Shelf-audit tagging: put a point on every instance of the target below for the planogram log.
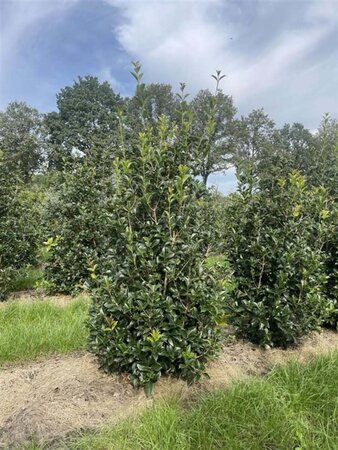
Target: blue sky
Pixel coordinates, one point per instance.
(281, 55)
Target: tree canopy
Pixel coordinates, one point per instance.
(87, 118)
(22, 139)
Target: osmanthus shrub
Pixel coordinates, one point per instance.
(331, 263)
(76, 217)
(18, 232)
(277, 232)
(158, 308)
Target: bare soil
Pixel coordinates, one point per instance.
(51, 398)
(36, 295)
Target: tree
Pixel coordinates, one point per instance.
(22, 139)
(253, 140)
(212, 147)
(149, 102)
(87, 119)
(314, 155)
(325, 171)
(157, 100)
(298, 145)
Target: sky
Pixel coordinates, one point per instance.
(280, 55)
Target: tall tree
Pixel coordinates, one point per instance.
(315, 155)
(253, 136)
(299, 145)
(216, 109)
(326, 140)
(87, 118)
(22, 138)
(157, 309)
(256, 146)
(159, 101)
(150, 102)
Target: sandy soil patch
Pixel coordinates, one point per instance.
(36, 295)
(51, 398)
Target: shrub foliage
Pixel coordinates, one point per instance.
(331, 266)
(77, 217)
(18, 235)
(275, 248)
(158, 308)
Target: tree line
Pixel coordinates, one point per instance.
(87, 118)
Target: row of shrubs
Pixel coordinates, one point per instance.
(138, 231)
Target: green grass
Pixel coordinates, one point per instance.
(28, 330)
(295, 407)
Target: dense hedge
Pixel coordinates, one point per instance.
(77, 214)
(158, 309)
(18, 228)
(277, 233)
(331, 266)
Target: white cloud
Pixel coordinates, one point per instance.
(175, 40)
(276, 54)
(106, 75)
(20, 18)
(188, 40)
(276, 65)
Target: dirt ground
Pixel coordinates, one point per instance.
(52, 398)
(34, 295)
